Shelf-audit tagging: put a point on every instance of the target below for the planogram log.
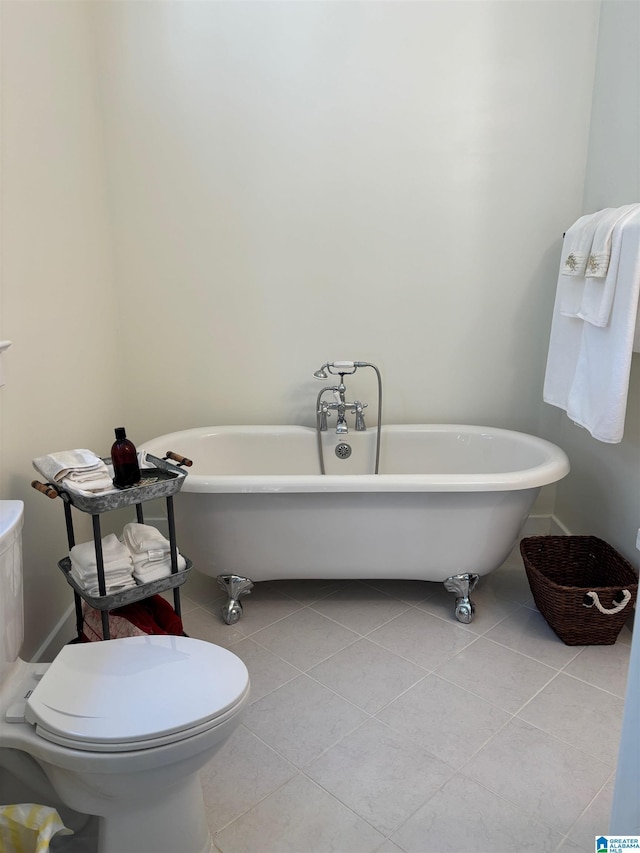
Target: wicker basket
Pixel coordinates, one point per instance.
(581, 585)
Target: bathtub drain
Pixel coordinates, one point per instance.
(343, 450)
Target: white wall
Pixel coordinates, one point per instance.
(601, 496)
(297, 182)
(58, 301)
(285, 183)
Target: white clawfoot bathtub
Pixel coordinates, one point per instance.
(447, 505)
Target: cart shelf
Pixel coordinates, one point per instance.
(126, 596)
(162, 480)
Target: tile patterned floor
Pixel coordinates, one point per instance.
(379, 724)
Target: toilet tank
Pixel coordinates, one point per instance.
(11, 609)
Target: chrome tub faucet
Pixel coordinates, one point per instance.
(340, 405)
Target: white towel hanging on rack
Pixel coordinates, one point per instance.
(588, 366)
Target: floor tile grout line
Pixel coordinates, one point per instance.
(531, 814)
(529, 656)
(608, 781)
(473, 637)
(308, 672)
(350, 628)
(555, 737)
(295, 769)
(409, 660)
(302, 771)
(589, 755)
(346, 806)
(486, 743)
(592, 684)
(386, 836)
(537, 817)
(489, 701)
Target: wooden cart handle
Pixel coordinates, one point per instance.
(181, 460)
(47, 490)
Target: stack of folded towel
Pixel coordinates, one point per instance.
(79, 471)
(150, 552)
(118, 566)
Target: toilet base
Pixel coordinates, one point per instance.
(172, 822)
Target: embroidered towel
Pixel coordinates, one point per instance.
(575, 253)
(598, 294)
(577, 245)
(598, 260)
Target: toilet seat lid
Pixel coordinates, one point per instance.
(135, 689)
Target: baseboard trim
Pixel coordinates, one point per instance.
(544, 525)
(558, 528)
(59, 636)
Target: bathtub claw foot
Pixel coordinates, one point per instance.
(462, 585)
(235, 586)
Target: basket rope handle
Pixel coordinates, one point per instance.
(593, 596)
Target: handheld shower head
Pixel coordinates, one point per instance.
(321, 373)
(335, 368)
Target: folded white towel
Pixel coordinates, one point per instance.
(113, 553)
(112, 585)
(89, 488)
(577, 245)
(151, 570)
(148, 577)
(111, 570)
(143, 537)
(89, 474)
(79, 471)
(114, 572)
(55, 466)
(150, 552)
(600, 253)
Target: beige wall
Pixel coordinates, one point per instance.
(62, 373)
(236, 192)
(297, 182)
(601, 496)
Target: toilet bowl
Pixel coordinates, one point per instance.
(120, 728)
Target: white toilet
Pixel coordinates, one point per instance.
(120, 728)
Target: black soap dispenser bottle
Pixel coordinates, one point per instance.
(126, 471)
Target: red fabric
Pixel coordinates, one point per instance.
(151, 616)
